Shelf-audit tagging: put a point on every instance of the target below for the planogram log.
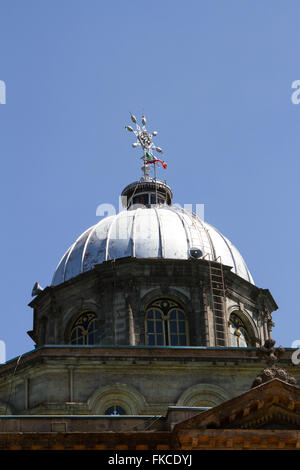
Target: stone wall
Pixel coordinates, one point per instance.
(119, 291)
(143, 380)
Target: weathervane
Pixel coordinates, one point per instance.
(144, 140)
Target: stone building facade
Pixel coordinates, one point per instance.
(151, 313)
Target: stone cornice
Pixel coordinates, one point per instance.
(146, 353)
(274, 403)
(106, 271)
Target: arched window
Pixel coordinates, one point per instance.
(115, 410)
(85, 329)
(166, 324)
(238, 333)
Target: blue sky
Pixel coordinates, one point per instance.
(213, 77)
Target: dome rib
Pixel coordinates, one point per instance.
(225, 241)
(60, 268)
(92, 231)
(185, 230)
(213, 251)
(133, 231)
(73, 263)
(113, 222)
(160, 245)
(156, 232)
(66, 261)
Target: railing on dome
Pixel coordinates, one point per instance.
(146, 193)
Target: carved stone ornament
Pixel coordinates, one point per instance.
(271, 356)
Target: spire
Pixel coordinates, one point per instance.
(144, 140)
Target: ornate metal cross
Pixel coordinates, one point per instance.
(144, 140)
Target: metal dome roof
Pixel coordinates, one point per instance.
(163, 231)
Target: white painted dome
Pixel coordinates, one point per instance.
(159, 231)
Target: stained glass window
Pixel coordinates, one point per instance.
(85, 329)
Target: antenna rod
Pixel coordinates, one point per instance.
(155, 184)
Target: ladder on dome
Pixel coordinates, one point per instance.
(217, 285)
(217, 288)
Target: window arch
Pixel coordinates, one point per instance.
(239, 335)
(108, 399)
(85, 330)
(203, 395)
(166, 324)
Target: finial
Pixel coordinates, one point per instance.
(144, 140)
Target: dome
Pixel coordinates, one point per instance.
(156, 231)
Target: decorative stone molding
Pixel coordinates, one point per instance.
(159, 292)
(127, 397)
(250, 325)
(203, 395)
(271, 356)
